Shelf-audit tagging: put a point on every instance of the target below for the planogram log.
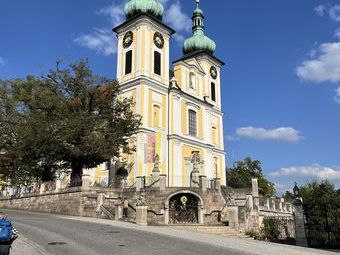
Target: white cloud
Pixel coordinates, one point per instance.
(282, 188)
(178, 20)
(103, 41)
(100, 40)
(320, 10)
(279, 134)
(337, 34)
(337, 95)
(175, 17)
(2, 61)
(114, 12)
(232, 138)
(325, 66)
(315, 171)
(334, 13)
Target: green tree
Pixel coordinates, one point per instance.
(240, 176)
(68, 119)
(321, 203)
(288, 196)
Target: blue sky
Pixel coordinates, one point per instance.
(280, 85)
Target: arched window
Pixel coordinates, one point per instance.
(192, 123)
(192, 80)
(128, 62)
(157, 63)
(213, 92)
(214, 135)
(156, 116)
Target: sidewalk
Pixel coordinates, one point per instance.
(23, 246)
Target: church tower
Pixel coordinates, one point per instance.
(182, 131)
(197, 99)
(143, 74)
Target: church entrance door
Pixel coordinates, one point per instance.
(183, 209)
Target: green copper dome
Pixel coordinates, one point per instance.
(198, 41)
(152, 7)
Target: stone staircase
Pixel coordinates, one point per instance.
(217, 230)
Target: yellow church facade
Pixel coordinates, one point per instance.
(180, 108)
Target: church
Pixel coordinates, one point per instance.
(180, 108)
(176, 173)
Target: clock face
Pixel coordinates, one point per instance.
(213, 72)
(128, 39)
(158, 40)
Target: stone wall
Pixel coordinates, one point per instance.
(68, 203)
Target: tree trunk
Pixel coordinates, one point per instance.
(77, 173)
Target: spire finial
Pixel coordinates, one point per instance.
(198, 3)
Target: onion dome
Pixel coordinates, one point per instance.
(152, 7)
(198, 41)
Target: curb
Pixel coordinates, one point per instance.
(23, 246)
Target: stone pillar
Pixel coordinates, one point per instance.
(142, 215)
(85, 185)
(58, 185)
(140, 183)
(100, 201)
(156, 172)
(196, 162)
(255, 187)
(118, 210)
(162, 182)
(203, 183)
(42, 188)
(232, 217)
(272, 204)
(289, 207)
(280, 205)
(299, 219)
(142, 211)
(256, 203)
(267, 203)
(283, 205)
(217, 184)
(194, 180)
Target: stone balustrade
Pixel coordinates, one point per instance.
(275, 205)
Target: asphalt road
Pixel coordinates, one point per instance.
(59, 235)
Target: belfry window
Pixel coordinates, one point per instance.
(157, 63)
(192, 123)
(213, 92)
(128, 62)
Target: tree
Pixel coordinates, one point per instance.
(321, 203)
(288, 196)
(240, 176)
(68, 119)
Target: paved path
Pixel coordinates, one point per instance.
(52, 234)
